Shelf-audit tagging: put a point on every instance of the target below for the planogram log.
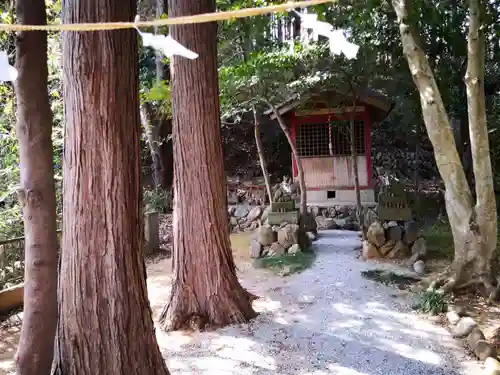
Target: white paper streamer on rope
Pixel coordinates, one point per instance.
(338, 42)
(165, 44)
(7, 72)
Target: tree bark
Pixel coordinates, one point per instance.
(300, 170)
(206, 290)
(152, 125)
(473, 239)
(485, 208)
(37, 194)
(262, 158)
(105, 324)
(354, 157)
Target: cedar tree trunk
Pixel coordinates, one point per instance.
(473, 227)
(300, 170)
(37, 194)
(105, 324)
(206, 290)
(260, 151)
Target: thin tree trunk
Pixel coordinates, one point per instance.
(37, 194)
(206, 290)
(471, 245)
(416, 174)
(105, 324)
(152, 125)
(262, 158)
(355, 172)
(300, 170)
(485, 209)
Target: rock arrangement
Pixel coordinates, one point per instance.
(337, 217)
(464, 327)
(393, 240)
(280, 240)
(244, 218)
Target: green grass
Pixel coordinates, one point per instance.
(287, 264)
(432, 302)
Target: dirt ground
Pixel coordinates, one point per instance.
(159, 280)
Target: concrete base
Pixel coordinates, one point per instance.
(339, 198)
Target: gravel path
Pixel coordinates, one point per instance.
(326, 320)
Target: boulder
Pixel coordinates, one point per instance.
(492, 366)
(419, 247)
(484, 350)
(341, 222)
(376, 234)
(463, 328)
(419, 267)
(370, 251)
(241, 212)
(294, 249)
(325, 223)
(313, 210)
(386, 248)
(288, 235)
(453, 318)
(399, 251)
(233, 221)
(254, 214)
(394, 233)
(265, 235)
(411, 261)
(276, 250)
(412, 232)
(474, 337)
(256, 249)
(230, 211)
(265, 213)
(369, 217)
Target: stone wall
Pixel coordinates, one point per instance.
(394, 240)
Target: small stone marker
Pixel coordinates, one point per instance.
(151, 232)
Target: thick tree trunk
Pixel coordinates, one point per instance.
(206, 290)
(300, 170)
(260, 151)
(473, 239)
(105, 324)
(37, 194)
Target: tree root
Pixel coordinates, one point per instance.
(187, 310)
(449, 282)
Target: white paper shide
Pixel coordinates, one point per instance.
(165, 44)
(7, 72)
(338, 42)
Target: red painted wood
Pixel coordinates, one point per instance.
(364, 187)
(327, 117)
